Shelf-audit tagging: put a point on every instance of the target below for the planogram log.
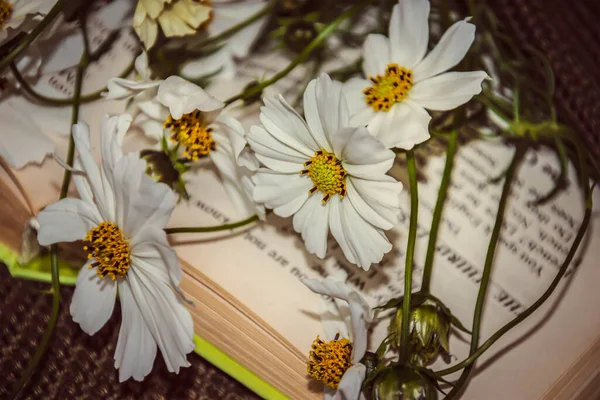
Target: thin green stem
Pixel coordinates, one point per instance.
(43, 346)
(437, 212)
(216, 228)
(316, 42)
(410, 251)
(489, 259)
(561, 272)
(236, 28)
(53, 13)
(55, 102)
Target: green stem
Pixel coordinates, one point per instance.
(410, 250)
(55, 102)
(316, 42)
(53, 13)
(216, 228)
(437, 212)
(489, 259)
(236, 28)
(561, 272)
(43, 346)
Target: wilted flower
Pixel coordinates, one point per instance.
(175, 17)
(403, 82)
(326, 173)
(120, 218)
(336, 361)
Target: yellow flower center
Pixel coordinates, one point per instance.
(6, 10)
(327, 174)
(327, 361)
(393, 87)
(192, 132)
(106, 244)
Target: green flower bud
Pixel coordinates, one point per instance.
(299, 34)
(429, 331)
(402, 382)
(292, 7)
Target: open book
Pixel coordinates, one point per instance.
(250, 303)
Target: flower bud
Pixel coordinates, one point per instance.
(401, 382)
(428, 334)
(292, 7)
(299, 34)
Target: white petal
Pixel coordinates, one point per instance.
(21, 141)
(154, 109)
(337, 229)
(93, 300)
(141, 66)
(183, 97)
(151, 245)
(313, 219)
(332, 322)
(121, 89)
(243, 204)
(360, 111)
(102, 194)
(144, 203)
(136, 348)
(360, 311)
(165, 316)
(450, 50)
(381, 212)
(113, 130)
(409, 32)
(264, 144)
(326, 109)
(66, 221)
(81, 183)
(284, 124)
(367, 241)
(356, 146)
(404, 126)
(447, 91)
(376, 54)
(351, 383)
(282, 192)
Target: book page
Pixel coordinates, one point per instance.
(261, 265)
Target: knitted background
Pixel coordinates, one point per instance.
(78, 366)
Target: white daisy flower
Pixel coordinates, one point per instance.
(120, 218)
(326, 174)
(335, 361)
(224, 16)
(191, 119)
(403, 82)
(122, 88)
(175, 17)
(22, 141)
(19, 15)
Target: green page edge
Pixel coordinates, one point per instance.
(39, 270)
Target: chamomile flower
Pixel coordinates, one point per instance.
(187, 117)
(175, 17)
(120, 217)
(19, 15)
(326, 173)
(335, 361)
(403, 82)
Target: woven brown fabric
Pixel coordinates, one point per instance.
(78, 366)
(568, 33)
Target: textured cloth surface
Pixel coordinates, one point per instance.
(78, 366)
